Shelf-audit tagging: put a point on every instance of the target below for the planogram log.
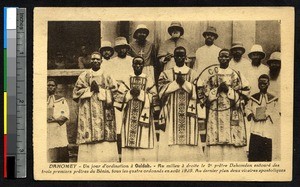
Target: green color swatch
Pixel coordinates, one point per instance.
(5, 70)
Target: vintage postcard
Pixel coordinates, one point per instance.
(163, 93)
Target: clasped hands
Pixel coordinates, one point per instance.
(180, 80)
(223, 88)
(135, 92)
(60, 120)
(94, 87)
(252, 116)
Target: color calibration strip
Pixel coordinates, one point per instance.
(14, 92)
(4, 95)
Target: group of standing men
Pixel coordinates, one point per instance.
(203, 107)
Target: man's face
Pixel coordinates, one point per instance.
(256, 58)
(179, 57)
(175, 33)
(263, 84)
(122, 51)
(106, 53)
(138, 65)
(209, 39)
(237, 54)
(96, 61)
(224, 59)
(274, 65)
(141, 35)
(51, 87)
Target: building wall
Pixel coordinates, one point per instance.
(270, 41)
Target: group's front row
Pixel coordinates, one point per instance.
(186, 117)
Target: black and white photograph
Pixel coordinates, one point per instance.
(147, 91)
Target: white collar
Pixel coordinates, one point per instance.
(258, 98)
(96, 73)
(184, 69)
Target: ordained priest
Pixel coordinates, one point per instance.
(96, 135)
(140, 102)
(226, 132)
(179, 135)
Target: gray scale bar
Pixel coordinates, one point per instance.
(11, 92)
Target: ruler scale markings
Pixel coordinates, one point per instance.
(21, 166)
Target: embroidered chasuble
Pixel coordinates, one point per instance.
(225, 124)
(138, 125)
(179, 106)
(179, 137)
(96, 118)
